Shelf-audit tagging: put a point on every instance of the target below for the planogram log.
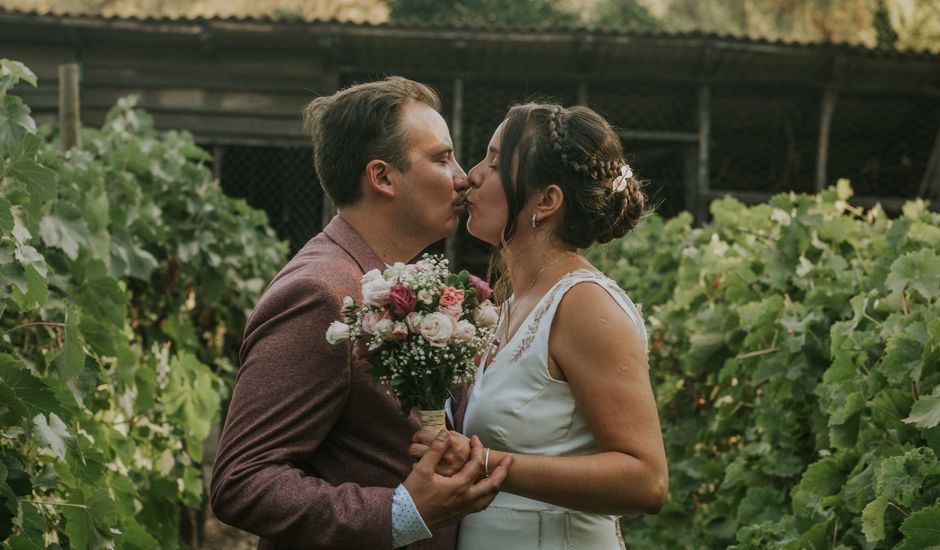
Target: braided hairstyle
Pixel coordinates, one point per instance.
(576, 149)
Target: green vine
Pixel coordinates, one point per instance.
(126, 277)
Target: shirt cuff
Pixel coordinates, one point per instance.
(407, 525)
(449, 411)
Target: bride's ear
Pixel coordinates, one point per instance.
(378, 175)
(550, 201)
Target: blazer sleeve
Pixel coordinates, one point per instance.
(290, 391)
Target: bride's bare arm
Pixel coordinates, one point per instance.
(600, 353)
(596, 347)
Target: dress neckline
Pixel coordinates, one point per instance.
(539, 304)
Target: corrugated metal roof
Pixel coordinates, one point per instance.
(480, 30)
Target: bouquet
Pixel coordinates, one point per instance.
(422, 328)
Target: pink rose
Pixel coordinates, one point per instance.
(482, 287)
(400, 331)
(450, 296)
(403, 299)
(454, 311)
(371, 319)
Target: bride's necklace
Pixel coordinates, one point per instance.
(515, 298)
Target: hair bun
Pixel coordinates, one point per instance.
(621, 213)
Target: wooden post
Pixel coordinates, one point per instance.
(930, 185)
(582, 93)
(456, 133)
(700, 193)
(70, 120)
(825, 125)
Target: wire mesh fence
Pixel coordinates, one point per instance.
(762, 140)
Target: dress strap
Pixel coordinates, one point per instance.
(541, 319)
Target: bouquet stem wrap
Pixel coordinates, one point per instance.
(432, 419)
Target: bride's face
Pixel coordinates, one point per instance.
(486, 201)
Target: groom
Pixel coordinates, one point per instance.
(313, 454)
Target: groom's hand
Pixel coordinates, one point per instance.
(443, 500)
(453, 459)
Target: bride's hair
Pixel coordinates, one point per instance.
(576, 149)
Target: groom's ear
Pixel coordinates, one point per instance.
(378, 173)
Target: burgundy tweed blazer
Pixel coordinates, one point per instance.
(312, 450)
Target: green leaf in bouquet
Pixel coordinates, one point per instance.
(921, 529)
(64, 228)
(51, 432)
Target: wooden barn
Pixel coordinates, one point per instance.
(701, 115)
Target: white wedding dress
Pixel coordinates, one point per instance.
(515, 405)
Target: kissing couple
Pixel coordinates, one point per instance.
(559, 434)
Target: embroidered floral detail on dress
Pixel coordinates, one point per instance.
(532, 329)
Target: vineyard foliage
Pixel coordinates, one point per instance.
(126, 280)
(795, 354)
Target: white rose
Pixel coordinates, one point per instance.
(425, 296)
(464, 331)
(375, 291)
(437, 328)
(338, 332)
(383, 329)
(487, 315)
(394, 271)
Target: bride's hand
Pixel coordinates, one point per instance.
(454, 458)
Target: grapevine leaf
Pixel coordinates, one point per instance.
(11, 72)
(922, 529)
(88, 521)
(15, 121)
(9, 506)
(102, 299)
(873, 519)
(71, 360)
(23, 393)
(925, 413)
(918, 270)
(37, 290)
(64, 228)
(33, 528)
(6, 217)
(40, 180)
(899, 478)
(52, 433)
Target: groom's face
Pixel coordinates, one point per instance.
(429, 202)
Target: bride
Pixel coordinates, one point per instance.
(567, 392)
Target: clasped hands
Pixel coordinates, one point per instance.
(447, 481)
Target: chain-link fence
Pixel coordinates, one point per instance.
(279, 180)
(762, 139)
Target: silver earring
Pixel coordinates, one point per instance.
(535, 222)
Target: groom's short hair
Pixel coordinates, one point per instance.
(358, 124)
